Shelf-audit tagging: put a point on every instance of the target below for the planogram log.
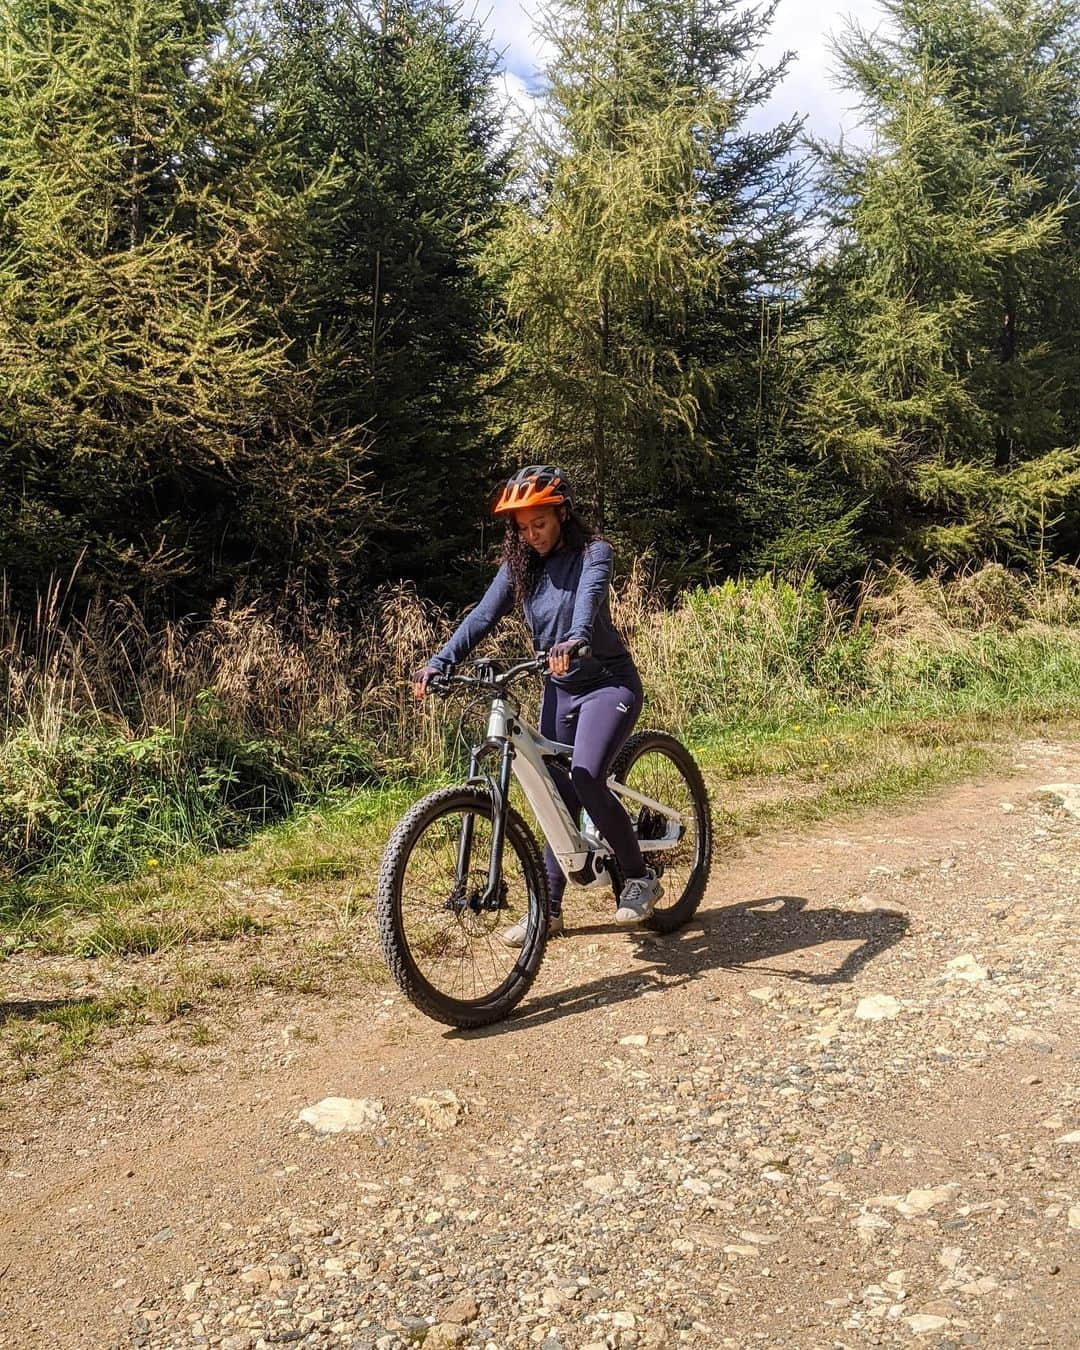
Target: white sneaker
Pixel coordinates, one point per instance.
(638, 899)
(515, 936)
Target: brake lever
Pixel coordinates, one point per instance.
(582, 649)
(438, 685)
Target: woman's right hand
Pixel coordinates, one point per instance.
(422, 679)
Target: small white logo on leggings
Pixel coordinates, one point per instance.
(623, 707)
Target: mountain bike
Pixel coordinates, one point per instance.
(463, 862)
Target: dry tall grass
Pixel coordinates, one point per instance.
(186, 732)
(289, 672)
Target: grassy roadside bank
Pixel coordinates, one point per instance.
(176, 952)
(798, 711)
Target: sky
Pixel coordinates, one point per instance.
(801, 26)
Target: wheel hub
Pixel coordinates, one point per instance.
(651, 824)
(458, 902)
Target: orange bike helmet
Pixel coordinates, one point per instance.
(535, 485)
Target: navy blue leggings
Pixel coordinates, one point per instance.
(597, 723)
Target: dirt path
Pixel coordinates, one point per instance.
(839, 1110)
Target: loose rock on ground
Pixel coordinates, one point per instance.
(810, 1119)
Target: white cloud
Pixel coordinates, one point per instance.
(512, 26)
(517, 100)
(810, 89)
(799, 26)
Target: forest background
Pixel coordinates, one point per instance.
(282, 293)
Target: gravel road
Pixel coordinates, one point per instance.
(839, 1110)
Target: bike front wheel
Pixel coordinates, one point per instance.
(439, 930)
(660, 767)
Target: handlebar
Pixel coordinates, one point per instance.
(488, 676)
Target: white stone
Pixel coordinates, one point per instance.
(920, 1201)
(333, 1115)
(1018, 1035)
(985, 1284)
(635, 1042)
(870, 1229)
(442, 1110)
(1074, 1216)
(877, 1008)
(1065, 795)
(924, 1323)
(1073, 1137)
(965, 968)
(444, 1335)
(603, 1184)
(869, 904)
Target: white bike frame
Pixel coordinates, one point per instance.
(571, 846)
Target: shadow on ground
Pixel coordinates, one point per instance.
(775, 935)
(25, 1009)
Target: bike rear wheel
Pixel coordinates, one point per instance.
(440, 941)
(659, 766)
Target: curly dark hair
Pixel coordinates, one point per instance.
(524, 563)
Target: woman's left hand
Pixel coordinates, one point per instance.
(560, 656)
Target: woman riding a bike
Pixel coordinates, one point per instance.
(560, 572)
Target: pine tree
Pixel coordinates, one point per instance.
(153, 421)
(396, 98)
(628, 267)
(944, 345)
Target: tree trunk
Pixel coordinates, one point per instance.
(1007, 350)
(600, 418)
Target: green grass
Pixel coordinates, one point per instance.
(317, 871)
(107, 784)
(56, 1035)
(120, 934)
(796, 713)
(322, 866)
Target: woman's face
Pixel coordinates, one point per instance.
(539, 527)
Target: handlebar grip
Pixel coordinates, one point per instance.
(578, 649)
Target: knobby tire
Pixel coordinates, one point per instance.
(674, 911)
(403, 965)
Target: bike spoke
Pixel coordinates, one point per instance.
(657, 776)
(451, 939)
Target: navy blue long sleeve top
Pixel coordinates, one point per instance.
(569, 603)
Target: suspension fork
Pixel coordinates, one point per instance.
(499, 786)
